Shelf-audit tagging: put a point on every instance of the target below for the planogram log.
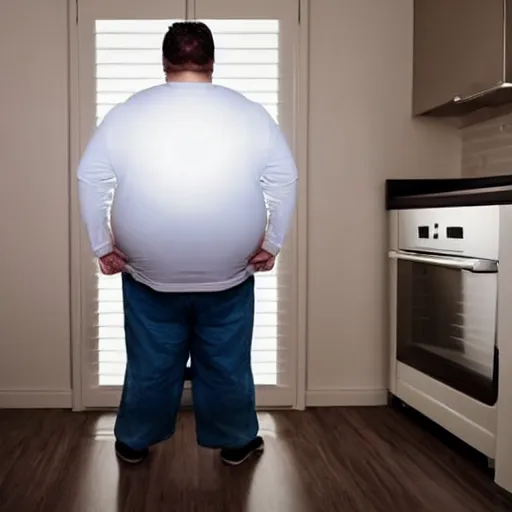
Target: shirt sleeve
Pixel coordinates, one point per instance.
(279, 184)
(97, 181)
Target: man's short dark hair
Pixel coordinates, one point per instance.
(188, 46)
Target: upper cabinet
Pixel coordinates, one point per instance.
(462, 56)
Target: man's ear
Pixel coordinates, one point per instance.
(165, 65)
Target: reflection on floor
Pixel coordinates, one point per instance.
(329, 460)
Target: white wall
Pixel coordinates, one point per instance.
(360, 133)
(34, 251)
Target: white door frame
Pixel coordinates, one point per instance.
(77, 234)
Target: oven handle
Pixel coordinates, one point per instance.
(471, 265)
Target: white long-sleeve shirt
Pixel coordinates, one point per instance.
(187, 178)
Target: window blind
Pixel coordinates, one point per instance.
(128, 59)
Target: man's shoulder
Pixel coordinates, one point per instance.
(246, 106)
(145, 94)
(236, 96)
(134, 103)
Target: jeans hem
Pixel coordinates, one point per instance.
(147, 446)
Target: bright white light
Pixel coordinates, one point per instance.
(128, 59)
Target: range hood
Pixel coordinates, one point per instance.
(496, 96)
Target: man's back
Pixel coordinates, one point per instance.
(203, 186)
(189, 159)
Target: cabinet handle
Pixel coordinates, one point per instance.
(477, 95)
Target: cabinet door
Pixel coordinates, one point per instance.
(458, 50)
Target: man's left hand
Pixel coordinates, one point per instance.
(262, 261)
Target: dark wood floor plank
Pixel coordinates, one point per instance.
(336, 460)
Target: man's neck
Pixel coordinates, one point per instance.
(188, 76)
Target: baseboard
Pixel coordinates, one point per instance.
(35, 399)
(346, 397)
(62, 399)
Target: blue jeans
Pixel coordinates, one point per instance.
(162, 330)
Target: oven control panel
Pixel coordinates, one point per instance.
(469, 231)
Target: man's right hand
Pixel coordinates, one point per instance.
(113, 263)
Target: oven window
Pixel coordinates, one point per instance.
(446, 326)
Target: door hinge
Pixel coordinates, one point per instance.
(298, 12)
(76, 12)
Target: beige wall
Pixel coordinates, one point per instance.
(361, 133)
(34, 252)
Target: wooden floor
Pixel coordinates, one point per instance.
(347, 460)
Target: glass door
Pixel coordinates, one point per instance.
(446, 325)
(119, 51)
(120, 54)
(256, 52)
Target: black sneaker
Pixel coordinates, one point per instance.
(235, 456)
(126, 454)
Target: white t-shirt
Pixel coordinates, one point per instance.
(194, 175)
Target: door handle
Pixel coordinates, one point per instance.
(476, 266)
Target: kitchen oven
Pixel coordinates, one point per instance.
(445, 358)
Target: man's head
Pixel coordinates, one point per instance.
(188, 52)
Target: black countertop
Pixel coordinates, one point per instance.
(438, 193)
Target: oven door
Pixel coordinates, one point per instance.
(446, 320)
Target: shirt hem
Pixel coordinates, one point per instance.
(191, 287)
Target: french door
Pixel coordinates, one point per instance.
(119, 53)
